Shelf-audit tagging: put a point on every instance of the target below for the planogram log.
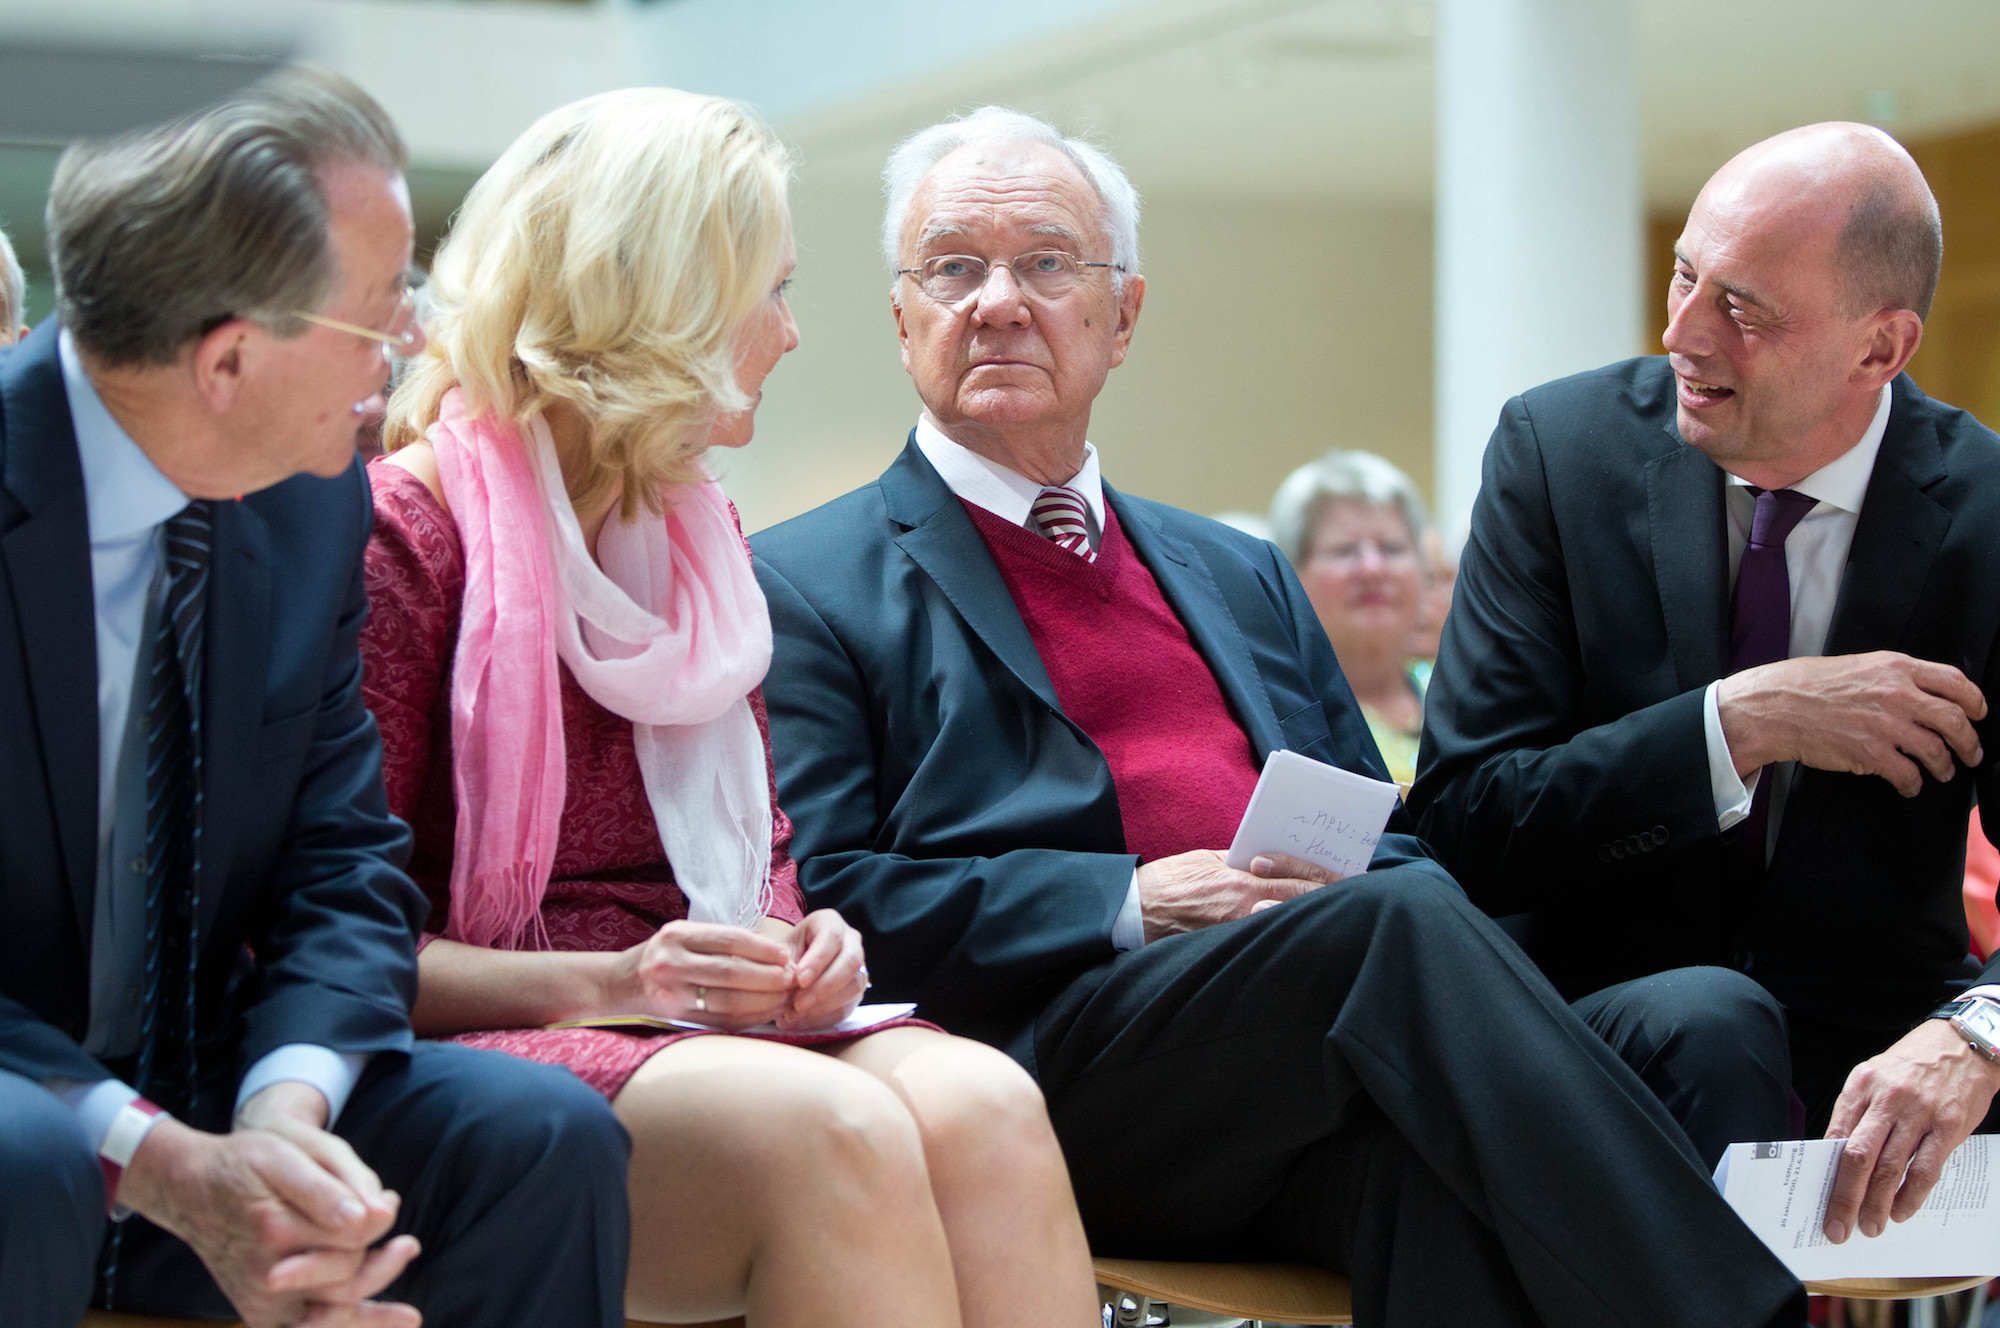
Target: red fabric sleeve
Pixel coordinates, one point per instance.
(415, 575)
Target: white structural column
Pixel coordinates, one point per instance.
(1540, 218)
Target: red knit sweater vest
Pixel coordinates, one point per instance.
(1127, 675)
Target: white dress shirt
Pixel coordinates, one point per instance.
(127, 502)
(1010, 495)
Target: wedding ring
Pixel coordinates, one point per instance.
(701, 999)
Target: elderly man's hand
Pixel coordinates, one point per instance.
(281, 1212)
(1907, 1108)
(1877, 714)
(1190, 891)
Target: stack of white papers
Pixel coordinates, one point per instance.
(1314, 811)
(1781, 1191)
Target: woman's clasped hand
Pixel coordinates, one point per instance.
(801, 978)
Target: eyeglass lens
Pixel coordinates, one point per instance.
(950, 278)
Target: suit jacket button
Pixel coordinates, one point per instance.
(1659, 834)
(1604, 852)
(1617, 849)
(1634, 844)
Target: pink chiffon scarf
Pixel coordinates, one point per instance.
(667, 627)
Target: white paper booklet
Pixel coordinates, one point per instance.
(1781, 1191)
(1314, 811)
(864, 1017)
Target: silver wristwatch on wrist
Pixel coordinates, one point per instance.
(1977, 1020)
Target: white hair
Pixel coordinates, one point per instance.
(1360, 477)
(914, 158)
(13, 291)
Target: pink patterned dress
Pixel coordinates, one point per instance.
(611, 886)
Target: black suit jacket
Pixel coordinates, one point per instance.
(940, 798)
(307, 922)
(1564, 770)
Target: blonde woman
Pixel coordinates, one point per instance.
(564, 656)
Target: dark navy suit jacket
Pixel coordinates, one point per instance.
(1564, 772)
(307, 922)
(940, 798)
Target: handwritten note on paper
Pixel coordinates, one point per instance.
(1314, 811)
(1781, 1190)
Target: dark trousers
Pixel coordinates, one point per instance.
(1374, 1079)
(1711, 1044)
(512, 1176)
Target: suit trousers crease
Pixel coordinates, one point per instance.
(512, 1176)
(1228, 1090)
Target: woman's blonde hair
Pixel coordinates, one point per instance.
(608, 261)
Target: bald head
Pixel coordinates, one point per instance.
(1855, 190)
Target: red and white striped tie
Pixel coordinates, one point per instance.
(1060, 515)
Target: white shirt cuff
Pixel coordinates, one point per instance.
(333, 1073)
(1731, 794)
(96, 1105)
(1128, 929)
(1989, 992)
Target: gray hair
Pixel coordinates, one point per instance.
(1360, 477)
(159, 236)
(13, 291)
(1890, 251)
(914, 158)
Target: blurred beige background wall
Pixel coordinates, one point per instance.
(1273, 329)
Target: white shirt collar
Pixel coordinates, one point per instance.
(1006, 493)
(124, 493)
(1843, 481)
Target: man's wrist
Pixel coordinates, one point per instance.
(289, 1099)
(152, 1174)
(122, 1141)
(1744, 735)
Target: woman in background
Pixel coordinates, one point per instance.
(564, 654)
(1352, 525)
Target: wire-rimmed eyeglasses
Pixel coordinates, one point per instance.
(402, 331)
(954, 278)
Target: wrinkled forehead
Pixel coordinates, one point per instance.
(1001, 191)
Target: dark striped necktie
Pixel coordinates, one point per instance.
(1060, 514)
(166, 1069)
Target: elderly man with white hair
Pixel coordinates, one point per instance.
(1016, 713)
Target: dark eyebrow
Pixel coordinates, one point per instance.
(1743, 293)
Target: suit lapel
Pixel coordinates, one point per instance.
(237, 646)
(1899, 534)
(941, 539)
(48, 574)
(1185, 580)
(1690, 560)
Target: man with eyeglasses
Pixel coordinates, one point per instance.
(211, 1103)
(1015, 715)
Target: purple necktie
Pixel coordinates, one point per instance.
(1760, 621)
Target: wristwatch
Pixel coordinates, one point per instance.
(1977, 1020)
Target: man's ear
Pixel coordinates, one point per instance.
(1891, 342)
(902, 331)
(221, 362)
(1129, 300)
